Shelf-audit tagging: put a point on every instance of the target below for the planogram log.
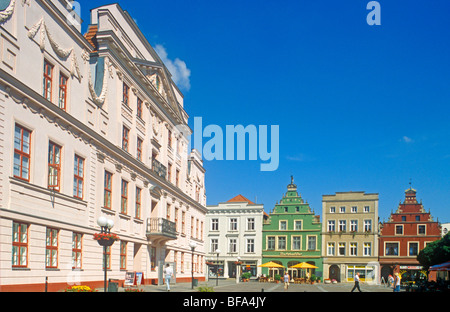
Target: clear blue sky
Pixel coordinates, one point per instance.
(360, 108)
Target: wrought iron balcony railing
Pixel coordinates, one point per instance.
(161, 227)
(159, 168)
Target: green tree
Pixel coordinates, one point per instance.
(435, 253)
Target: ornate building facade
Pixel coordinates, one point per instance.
(292, 234)
(407, 231)
(350, 236)
(90, 126)
(234, 228)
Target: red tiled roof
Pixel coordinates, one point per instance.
(241, 198)
(91, 36)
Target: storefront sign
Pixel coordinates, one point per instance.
(290, 253)
(129, 278)
(411, 267)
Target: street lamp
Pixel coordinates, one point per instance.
(217, 267)
(192, 245)
(105, 228)
(238, 266)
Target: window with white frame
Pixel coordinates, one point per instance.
(391, 249)
(367, 249)
(354, 225)
(298, 224)
(270, 242)
(250, 245)
(366, 209)
(421, 229)
(296, 242)
(250, 224)
(413, 249)
(331, 225)
(367, 225)
(332, 209)
(233, 224)
(354, 209)
(331, 249)
(214, 245)
(342, 225)
(281, 243)
(232, 245)
(283, 225)
(214, 224)
(312, 242)
(341, 249)
(342, 209)
(353, 249)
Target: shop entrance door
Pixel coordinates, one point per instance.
(334, 273)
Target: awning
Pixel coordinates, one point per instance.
(304, 265)
(441, 267)
(271, 264)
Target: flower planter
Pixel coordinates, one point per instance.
(105, 242)
(105, 239)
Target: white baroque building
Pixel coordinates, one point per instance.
(234, 238)
(89, 127)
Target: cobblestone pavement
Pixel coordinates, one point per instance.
(230, 285)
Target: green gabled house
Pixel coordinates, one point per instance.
(291, 235)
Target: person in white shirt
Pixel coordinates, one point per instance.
(168, 273)
(356, 283)
(397, 282)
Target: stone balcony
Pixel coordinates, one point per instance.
(160, 230)
(159, 168)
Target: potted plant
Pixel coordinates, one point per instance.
(277, 278)
(313, 279)
(246, 276)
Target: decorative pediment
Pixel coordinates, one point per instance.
(159, 78)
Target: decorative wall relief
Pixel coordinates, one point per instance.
(62, 53)
(7, 10)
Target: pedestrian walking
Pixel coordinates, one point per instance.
(356, 283)
(397, 281)
(391, 281)
(286, 280)
(168, 273)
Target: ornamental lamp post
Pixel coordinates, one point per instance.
(105, 239)
(238, 271)
(217, 267)
(193, 245)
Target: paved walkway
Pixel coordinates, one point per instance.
(229, 285)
